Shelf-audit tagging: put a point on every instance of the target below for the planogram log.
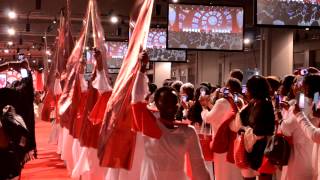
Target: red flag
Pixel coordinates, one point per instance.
(64, 45)
(69, 99)
(117, 140)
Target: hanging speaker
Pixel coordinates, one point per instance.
(119, 31)
(28, 27)
(20, 41)
(158, 9)
(38, 4)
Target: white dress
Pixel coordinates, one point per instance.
(299, 166)
(165, 157)
(220, 112)
(86, 159)
(313, 133)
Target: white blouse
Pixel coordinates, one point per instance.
(299, 166)
(313, 133)
(165, 157)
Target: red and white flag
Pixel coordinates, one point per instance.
(64, 45)
(117, 140)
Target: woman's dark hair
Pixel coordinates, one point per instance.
(274, 83)
(206, 84)
(198, 92)
(312, 82)
(152, 88)
(258, 87)
(286, 85)
(188, 88)
(177, 85)
(234, 85)
(167, 82)
(237, 73)
(165, 89)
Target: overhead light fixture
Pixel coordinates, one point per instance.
(49, 60)
(34, 61)
(175, 1)
(12, 15)
(307, 29)
(246, 41)
(114, 19)
(11, 31)
(48, 52)
(6, 51)
(10, 43)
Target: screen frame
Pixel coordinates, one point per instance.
(255, 7)
(207, 4)
(184, 50)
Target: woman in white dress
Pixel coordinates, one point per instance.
(165, 157)
(309, 124)
(299, 166)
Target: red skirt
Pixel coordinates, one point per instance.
(89, 132)
(76, 127)
(97, 113)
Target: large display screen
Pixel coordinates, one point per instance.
(156, 47)
(304, 13)
(205, 27)
(116, 51)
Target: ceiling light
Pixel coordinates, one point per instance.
(246, 41)
(11, 31)
(175, 1)
(10, 43)
(114, 19)
(12, 14)
(6, 51)
(48, 52)
(34, 61)
(49, 60)
(307, 29)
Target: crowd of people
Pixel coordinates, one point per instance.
(302, 13)
(209, 132)
(196, 40)
(166, 55)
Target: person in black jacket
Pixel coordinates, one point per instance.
(13, 156)
(258, 115)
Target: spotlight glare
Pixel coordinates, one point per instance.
(247, 41)
(6, 51)
(48, 52)
(114, 19)
(11, 31)
(10, 43)
(12, 14)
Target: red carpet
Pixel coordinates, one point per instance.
(48, 165)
